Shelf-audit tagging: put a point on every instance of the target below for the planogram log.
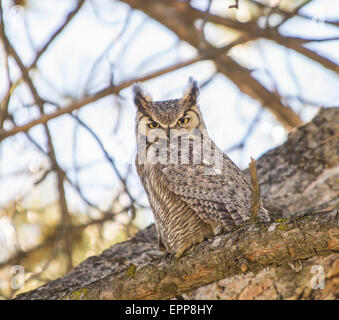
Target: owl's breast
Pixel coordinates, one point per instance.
(177, 223)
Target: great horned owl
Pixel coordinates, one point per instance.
(195, 191)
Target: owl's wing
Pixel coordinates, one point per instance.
(223, 197)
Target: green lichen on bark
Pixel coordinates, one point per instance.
(130, 272)
(77, 294)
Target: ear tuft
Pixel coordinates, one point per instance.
(141, 99)
(191, 95)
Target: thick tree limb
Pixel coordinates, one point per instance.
(145, 277)
(300, 174)
(262, 245)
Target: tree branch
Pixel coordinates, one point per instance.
(115, 89)
(134, 269)
(255, 189)
(261, 245)
(57, 32)
(51, 151)
(180, 17)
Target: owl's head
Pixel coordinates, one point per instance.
(181, 113)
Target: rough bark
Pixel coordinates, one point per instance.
(301, 176)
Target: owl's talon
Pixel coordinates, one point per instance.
(168, 259)
(296, 265)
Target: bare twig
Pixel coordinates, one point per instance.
(68, 19)
(182, 23)
(51, 152)
(247, 134)
(291, 14)
(206, 54)
(235, 5)
(255, 196)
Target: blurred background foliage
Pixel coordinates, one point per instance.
(68, 189)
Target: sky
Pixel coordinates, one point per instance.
(71, 60)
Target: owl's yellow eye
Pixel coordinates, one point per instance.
(153, 125)
(183, 120)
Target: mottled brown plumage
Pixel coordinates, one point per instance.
(193, 195)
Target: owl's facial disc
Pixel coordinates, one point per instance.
(175, 115)
(183, 121)
(189, 120)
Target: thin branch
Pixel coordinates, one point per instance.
(255, 195)
(109, 47)
(5, 101)
(57, 32)
(182, 22)
(192, 14)
(235, 5)
(51, 152)
(204, 55)
(292, 14)
(247, 134)
(108, 214)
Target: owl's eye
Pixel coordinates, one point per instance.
(153, 125)
(183, 120)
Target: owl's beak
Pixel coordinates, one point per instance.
(167, 131)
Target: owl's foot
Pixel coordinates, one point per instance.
(243, 264)
(161, 246)
(168, 258)
(296, 265)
